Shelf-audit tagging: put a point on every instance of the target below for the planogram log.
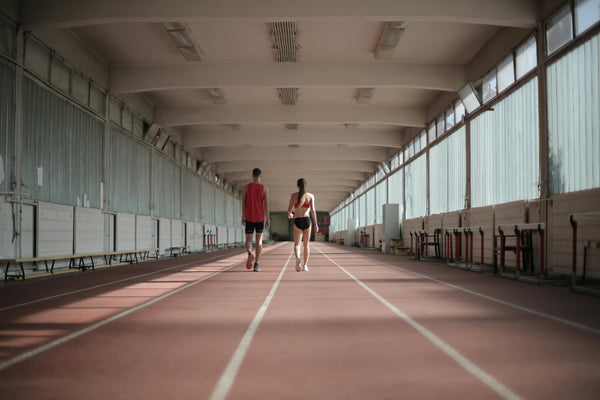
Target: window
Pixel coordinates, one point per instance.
(506, 73)
(490, 88)
(559, 30)
(417, 144)
(440, 126)
(469, 98)
(459, 111)
(449, 118)
(423, 139)
(587, 13)
(37, 58)
(431, 132)
(526, 57)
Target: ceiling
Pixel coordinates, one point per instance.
(339, 142)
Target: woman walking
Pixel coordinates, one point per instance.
(302, 210)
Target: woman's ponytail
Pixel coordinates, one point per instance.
(301, 183)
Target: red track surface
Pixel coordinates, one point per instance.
(358, 325)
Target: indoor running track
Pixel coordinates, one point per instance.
(358, 325)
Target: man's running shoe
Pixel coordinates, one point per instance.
(250, 260)
(256, 269)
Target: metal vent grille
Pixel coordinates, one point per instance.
(288, 96)
(285, 43)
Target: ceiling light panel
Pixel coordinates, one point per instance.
(390, 36)
(182, 38)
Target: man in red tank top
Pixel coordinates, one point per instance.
(255, 215)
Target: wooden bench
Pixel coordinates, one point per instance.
(178, 250)
(78, 261)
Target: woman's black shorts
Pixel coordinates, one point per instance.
(302, 222)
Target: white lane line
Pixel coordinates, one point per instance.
(464, 362)
(226, 381)
(47, 346)
(113, 282)
(503, 302)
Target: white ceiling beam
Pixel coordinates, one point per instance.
(281, 136)
(127, 79)
(70, 13)
(279, 166)
(281, 114)
(303, 153)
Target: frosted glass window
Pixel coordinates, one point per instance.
(447, 174)
(396, 189)
(60, 75)
(469, 98)
(97, 99)
(127, 120)
(573, 119)
(115, 111)
(490, 89)
(506, 73)
(449, 118)
(459, 111)
(431, 133)
(559, 30)
(80, 88)
(407, 153)
(360, 211)
(381, 199)
(505, 150)
(37, 58)
(8, 36)
(423, 139)
(415, 192)
(440, 126)
(526, 57)
(587, 13)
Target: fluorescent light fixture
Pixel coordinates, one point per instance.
(216, 95)
(390, 36)
(365, 95)
(469, 98)
(182, 38)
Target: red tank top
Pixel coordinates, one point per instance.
(254, 210)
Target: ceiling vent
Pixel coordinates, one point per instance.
(291, 127)
(285, 36)
(288, 96)
(285, 44)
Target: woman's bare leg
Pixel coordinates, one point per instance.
(306, 240)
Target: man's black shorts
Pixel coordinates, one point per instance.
(252, 226)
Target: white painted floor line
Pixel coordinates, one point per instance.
(464, 362)
(503, 302)
(47, 346)
(227, 378)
